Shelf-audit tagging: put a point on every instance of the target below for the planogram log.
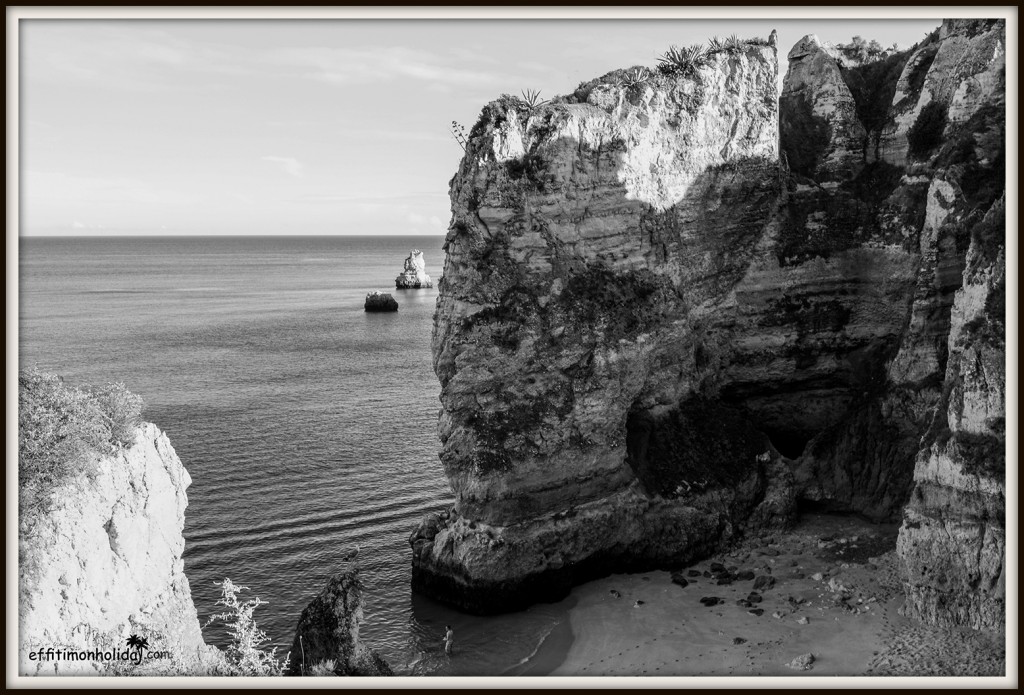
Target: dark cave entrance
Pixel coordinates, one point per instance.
(789, 443)
(692, 447)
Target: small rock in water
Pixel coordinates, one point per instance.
(615, 593)
(380, 301)
(744, 603)
(724, 581)
(764, 582)
(679, 579)
(802, 621)
(778, 615)
(817, 576)
(754, 597)
(692, 573)
(756, 611)
(802, 662)
(638, 604)
(738, 640)
(646, 579)
(710, 601)
(717, 567)
(745, 575)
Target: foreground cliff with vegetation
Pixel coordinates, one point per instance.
(675, 306)
(101, 584)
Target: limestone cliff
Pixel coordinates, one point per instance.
(656, 329)
(106, 564)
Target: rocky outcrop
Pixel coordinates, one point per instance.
(414, 276)
(656, 331)
(106, 564)
(592, 243)
(327, 636)
(380, 301)
(953, 541)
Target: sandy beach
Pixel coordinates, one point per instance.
(834, 594)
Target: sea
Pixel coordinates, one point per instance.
(308, 426)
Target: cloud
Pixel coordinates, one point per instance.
(374, 64)
(291, 166)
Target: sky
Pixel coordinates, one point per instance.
(339, 126)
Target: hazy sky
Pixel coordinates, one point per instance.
(302, 126)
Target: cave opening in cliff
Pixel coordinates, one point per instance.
(789, 443)
(691, 447)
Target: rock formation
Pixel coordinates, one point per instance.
(380, 301)
(106, 564)
(328, 632)
(414, 276)
(656, 330)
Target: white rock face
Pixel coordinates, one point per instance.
(109, 566)
(415, 274)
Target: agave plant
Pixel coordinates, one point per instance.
(459, 133)
(715, 45)
(734, 43)
(682, 60)
(532, 98)
(636, 77)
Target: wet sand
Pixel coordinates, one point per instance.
(836, 595)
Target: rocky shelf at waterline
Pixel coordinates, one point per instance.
(673, 307)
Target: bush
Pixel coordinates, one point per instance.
(245, 655)
(60, 428)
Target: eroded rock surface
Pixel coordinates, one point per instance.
(328, 632)
(653, 332)
(106, 564)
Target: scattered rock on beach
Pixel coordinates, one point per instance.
(802, 621)
(764, 582)
(710, 601)
(679, 579)
(745, 575)
(802, 662)
(692, 573)
(754, 597)
(615, 594)
(738, 640)
(756, 611)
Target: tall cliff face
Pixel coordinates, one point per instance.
(106, 564)
(652, 333)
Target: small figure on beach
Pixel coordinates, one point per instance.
(449, 637)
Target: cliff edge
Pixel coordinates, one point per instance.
(105, 564)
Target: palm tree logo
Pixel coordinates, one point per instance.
(136, 642)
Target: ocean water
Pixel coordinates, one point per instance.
(308, 426)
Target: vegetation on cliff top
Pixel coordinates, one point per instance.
(61, 429)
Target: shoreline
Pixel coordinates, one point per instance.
(836, 595)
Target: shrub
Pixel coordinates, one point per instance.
(926, 133)
(121, 409)
(324, 668)
(60, 428)
(246, 655)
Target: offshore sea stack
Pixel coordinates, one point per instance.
(673, 305)
(414, 276)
